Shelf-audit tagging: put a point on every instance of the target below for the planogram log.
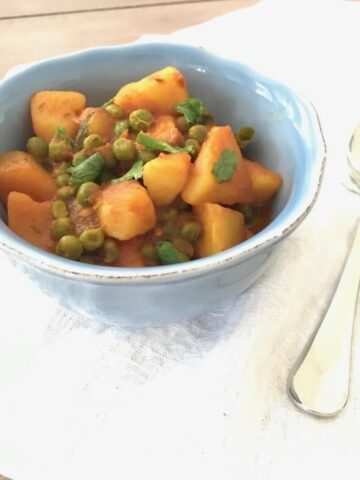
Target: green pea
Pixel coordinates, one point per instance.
(244, 136)
(60, 227)
(198, 132)
(182, 124)
(92, 141)
(92, 239)
(149, 251)
(85, 193)
(145, 156)
(190, 231)
(59, 209)
(183, 246)
(70, 247)
(121, 127)
(167, 214)
(60, 149)
(140, 120)
(193, 143)
(38, 147)
(110, 251)
(115, 111)
(109, 159)
(63, 179)
(124, 150)
(65, 193)
(78, 158)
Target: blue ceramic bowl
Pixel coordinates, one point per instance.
(288, 140)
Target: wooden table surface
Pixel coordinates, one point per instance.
(35, 29)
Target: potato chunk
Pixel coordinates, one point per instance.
(164, 129)
(125, 210)
(165, 177)
(102, 123)
(159, 92)
(30, 219)
(222, 228)
(20, 172)
(265, 182)
(52, 109)
(202, 185)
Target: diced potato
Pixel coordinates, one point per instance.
(165, 177)
(265, 182)
(202, 185)
(52, 109)
(30, 219)
(20, 172)
(164, 129)
(222, 228)
(102, 123)
(125, 210)
(130, 254)
(159, 92)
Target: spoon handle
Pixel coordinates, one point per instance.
(319, 383)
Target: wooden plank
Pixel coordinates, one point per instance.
(25, 40)
(44, 7)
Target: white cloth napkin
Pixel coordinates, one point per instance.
(205, 399)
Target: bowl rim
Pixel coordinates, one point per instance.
(13, 245)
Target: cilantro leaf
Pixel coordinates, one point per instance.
(87, 171)
(168, 254)
(193, 110)
(134, 173)
(152, 144)
(225, 167)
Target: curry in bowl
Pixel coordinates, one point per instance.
(149, 178)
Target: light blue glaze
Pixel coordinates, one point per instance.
(288, 140)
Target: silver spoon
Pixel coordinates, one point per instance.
(319, 383)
